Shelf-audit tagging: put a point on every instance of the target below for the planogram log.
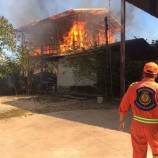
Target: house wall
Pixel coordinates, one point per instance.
(66, 77)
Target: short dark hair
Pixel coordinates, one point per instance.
(149, 75)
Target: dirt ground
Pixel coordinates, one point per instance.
(59, 127)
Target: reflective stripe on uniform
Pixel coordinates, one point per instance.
(145, 120)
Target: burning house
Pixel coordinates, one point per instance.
(71, 30)
(74, 31)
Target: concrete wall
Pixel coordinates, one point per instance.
(66, 77)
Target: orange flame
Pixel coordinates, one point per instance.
(80, 36)
(74, 38)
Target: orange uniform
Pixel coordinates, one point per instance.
(142, 96)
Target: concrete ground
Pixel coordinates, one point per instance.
(66, 134)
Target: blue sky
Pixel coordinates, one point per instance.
(21, 12)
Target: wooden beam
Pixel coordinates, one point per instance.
(122, 50)
(153, 7)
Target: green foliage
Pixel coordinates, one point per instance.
(101, 74)
(51, 66)
(27, 64)
(7, 35)
(8, 66)
(107, 79)
(84, 67)
(7, 42)
(24, 59)
(133, 71)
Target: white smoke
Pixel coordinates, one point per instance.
(22, 12)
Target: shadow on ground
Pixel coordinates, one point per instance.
(86, 111)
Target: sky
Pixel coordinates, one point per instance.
(138, 23)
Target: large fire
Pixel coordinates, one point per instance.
(74, 38)
(81, 33)
(81, 38)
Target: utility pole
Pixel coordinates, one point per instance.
(22, 40)
(122, 50)
(106, 58)
(108, 62)
(42, 63)
(106, 30)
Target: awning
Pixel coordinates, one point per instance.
(149, 6)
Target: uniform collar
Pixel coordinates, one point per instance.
(148, 79)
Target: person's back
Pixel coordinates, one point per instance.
(142, 96)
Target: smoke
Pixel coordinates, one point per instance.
(22, 12)
(25, 11)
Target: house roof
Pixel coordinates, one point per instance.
(149, 6)
(138, 49)
(68, 13)
(58, 32)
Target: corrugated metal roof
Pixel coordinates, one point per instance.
(64, 14)
(149, 6)
(138, 49)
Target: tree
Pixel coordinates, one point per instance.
(84, 68)
(28, 63)
(8, 66)
(7, 36)
(7, 43)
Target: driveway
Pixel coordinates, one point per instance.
(66, 134)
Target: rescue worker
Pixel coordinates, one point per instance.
(142, 97)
